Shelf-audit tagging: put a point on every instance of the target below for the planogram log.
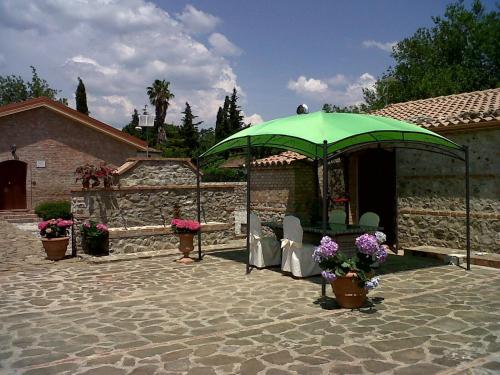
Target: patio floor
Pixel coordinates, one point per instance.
(153, 316)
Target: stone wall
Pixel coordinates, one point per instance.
(431, 195)
(157, 172)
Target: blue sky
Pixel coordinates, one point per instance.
(278, 53)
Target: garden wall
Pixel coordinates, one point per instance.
(139, 210)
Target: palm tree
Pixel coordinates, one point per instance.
(159, 96)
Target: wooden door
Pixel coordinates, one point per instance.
(12, 185)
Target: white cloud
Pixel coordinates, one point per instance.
(118, 48)
(253, 119)
(387, 46)
(338, 90)
(223, 46)
(304, 85)
(197, 21)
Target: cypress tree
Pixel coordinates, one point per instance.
(234, 116)
(189, 130)
(81, 98)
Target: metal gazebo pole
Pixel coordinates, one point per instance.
(198, 204)
(325, 203)
(248, 203)
(467, 203)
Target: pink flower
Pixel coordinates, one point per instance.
(64, 223)
(102, 227)
(43, 224)
(87, 225)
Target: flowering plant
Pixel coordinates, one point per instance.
(371, 250)
(92, 229)
(90, 172)
(185, 226)
(54, 228)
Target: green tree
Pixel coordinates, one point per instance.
(174, 146)
(14, 89)
(330, 108)
(460, 53)
(234, 114)
(130, 128)
(206, 140)
(222, 124)
(189, 130)
(159, 95)
(81, 98)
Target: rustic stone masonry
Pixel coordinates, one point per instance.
(431, 195)
(132, 211)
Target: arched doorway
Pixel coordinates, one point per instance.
(12, 185)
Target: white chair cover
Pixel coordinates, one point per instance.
(264, 251)
(337, 217)
(370, 219)
(296, 256)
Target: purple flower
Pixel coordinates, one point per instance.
(367, 244)
(329, 276)
(380, 255)
(327, 248)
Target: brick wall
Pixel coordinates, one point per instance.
(291, 189)
(64, 144)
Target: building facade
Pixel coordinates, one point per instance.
(42, 142)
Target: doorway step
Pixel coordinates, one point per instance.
(19, 216)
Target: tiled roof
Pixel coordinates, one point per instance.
(285, 158)
(445, 111)
(75, 115)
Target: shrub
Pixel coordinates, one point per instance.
(214, 174)
(54, 210)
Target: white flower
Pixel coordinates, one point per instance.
(48, 230)
(381, 237)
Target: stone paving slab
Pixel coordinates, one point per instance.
(154, 316)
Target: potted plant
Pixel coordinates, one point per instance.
(107, 175)
(186, 229)
(351, 278)
(55, 237)
(87, 173)
(95, 238)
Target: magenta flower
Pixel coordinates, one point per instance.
(102, 227)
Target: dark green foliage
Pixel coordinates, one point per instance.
(174, 147)
(329, 108)
(222, 125)
(54, 210)
(460, 53)
(14, 89)
(206, 140)
(81, 98)
(216, 174)
(234, 114)
(189, 131)
(131, 127)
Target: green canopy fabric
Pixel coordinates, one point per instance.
(305, 134)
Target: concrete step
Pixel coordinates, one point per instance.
(19, 216)
(456, 256)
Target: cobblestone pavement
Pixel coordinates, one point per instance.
(154, 316)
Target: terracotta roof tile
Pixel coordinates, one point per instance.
(443, 111)
(285, 158)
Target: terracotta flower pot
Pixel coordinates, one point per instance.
(347, 291)
(186, 246)
(55, 247)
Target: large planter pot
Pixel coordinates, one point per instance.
(96, 245)
(186, 246)
(55, 247)
(347, 291)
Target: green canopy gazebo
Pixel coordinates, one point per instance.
(326, 136)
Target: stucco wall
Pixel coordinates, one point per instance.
(64, 144)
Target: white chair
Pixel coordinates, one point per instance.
(264, 251)
(369, 219)
(337, 217)
(296, 256)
